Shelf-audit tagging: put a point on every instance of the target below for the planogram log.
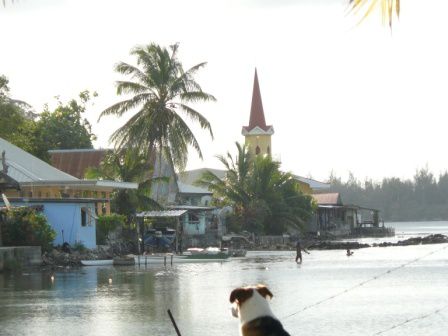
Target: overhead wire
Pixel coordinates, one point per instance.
(421, 317)
(364, 282)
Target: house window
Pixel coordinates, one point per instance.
(268, 150)
(88, 217)
(257, 150)
(83, 216)
(193, 218)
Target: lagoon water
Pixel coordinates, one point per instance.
(371, 293)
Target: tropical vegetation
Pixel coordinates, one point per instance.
(265, 199)
(26, 226)
(424, 197)
(61, 128)
(159, 90)
(389, 9)
(107, 224)
(65, 127)
(127, 166)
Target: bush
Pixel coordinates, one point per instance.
(26, 227)
(79, 247)
(107, 224)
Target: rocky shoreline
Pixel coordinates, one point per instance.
(59, 258)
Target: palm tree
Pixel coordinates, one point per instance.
(280, 195)
(234, 187)
(160, 90)
(264, 198)
(389, 8)
(128, 166)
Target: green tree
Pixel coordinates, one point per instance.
(107, 224)
(286, 206)
(16, 119)
(265, 199)
(159, 90)
(233, 190)
(25, 226)
(64, 128)
(127, 166)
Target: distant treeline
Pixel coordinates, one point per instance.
(425, 197)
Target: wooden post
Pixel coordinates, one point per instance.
(138, 236)
(174, 323)
(177, 236)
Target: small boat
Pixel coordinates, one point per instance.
(98, 262)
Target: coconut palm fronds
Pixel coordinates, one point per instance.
(389, 9)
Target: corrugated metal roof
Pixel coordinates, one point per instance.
(27, 169)
(315, 185)
(191, 189)
(191, 176)
(24, 167)
(84, 184)
(162, 213)
(76, 161)
(191, 207)
(328, 199)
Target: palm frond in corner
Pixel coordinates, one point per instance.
(389, 9)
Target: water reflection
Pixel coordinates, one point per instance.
(84, 302)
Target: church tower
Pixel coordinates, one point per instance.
(257, 134)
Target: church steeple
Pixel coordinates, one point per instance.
(258, 134)
(256, 109)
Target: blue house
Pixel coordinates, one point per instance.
(70, 204)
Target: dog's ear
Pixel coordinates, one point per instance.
(240, 295)
(264, 291)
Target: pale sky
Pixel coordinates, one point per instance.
(341, 97)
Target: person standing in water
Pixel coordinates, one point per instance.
(299, 250)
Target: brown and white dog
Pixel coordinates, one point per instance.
(253, 310)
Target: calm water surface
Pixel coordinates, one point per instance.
(323, 296)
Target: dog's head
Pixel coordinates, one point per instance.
(257, 295)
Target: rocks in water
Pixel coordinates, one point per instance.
(341, 245)
(431, 239)
(336, 245)
(66, 256)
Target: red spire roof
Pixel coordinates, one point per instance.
(256, 109)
